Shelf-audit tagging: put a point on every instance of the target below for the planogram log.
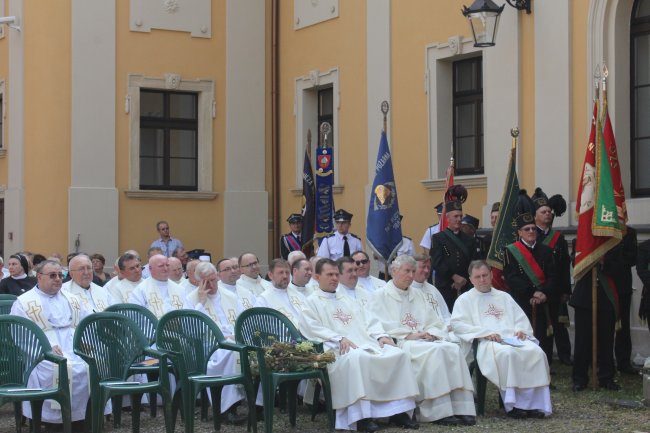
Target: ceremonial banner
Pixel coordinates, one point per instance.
(324, 198)
(383, 228)
(309, 203)
(505, 230)
(449, 182)
(599, 228)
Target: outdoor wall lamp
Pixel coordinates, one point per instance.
(483, 16)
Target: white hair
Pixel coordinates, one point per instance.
(294, 256)
(400, 261)
(203, 269)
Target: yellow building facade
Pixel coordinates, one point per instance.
(263, 73)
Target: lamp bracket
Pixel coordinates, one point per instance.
(522, 5)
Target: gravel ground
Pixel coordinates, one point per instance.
(586, 411)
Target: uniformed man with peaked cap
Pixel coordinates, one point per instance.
(529, 270)
(292, 241)
(469, 224)
(451, 253)
(341, 242)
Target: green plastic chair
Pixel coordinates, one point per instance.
(257, 328)
(190, 338)
(147, 322)
(7, 297)
(109, 343)
(23, 345)
(5, 306)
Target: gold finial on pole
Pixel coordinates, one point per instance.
(451, 152)
(514, 133)
(385, 108)
(597, 82)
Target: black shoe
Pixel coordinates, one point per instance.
(259, 412)
(517, 413)
(450, 420)
(367, 425)
(404, 420)
(610, 385)
(467, 419)
(577, 387)
(566, 361)
(552, 387)
(628, 369)
(232, 418)
(535, 414)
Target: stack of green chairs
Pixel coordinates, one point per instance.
(23, 345)
(5, 306)
(190, 338)
(109, 343)
(258, 328)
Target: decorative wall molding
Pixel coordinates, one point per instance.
(170, 195)
(307, 13)
(194, 16)
(336, 189)
(466, 181)
(205, 91)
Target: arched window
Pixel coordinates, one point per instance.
(640, 97)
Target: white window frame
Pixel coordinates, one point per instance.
(3, 113)
(206, 114)
(439, 81)
(306, 114)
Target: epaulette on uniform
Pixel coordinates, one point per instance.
(355, 236)
(406, 237)
(329, 236)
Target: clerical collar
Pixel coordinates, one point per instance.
(296, 286)
(277, 289)
(160, 283)
(42, 293)
(230, 287)
(527, 244)
(330, 295)
(20, 277)
(346, 287)
(245, 277)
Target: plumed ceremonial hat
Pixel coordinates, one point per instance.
(524, 219)
(539, 198)
(468, 219)
(496, 206)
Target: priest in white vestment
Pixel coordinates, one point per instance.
(433, 295)
(158, 293)
(191, 283)
(228, 270)
(58, 314)
(176, 272)
(223, 307)
(280, 297)
(130, 275)
(371, 377)
(250, 278)
(348, 281)
(446, 392)
(301, 272)
(93, 298)
(367, 281)
(508, 353)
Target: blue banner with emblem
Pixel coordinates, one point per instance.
(384, 228)
(324, 198)
(308, 196)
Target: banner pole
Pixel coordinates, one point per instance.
(594, 327)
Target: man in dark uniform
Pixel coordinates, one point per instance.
(608, 268)
(529, 271)
(341, 243)
(627, 249)
(643, 270)
(494, 215)
(544, 216)
(292, 241)
(451, 253)
(469, 226)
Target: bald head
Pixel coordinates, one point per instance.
(81, 270)
(175, 269)
(159, 267)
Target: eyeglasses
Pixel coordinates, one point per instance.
(250, 265)
(227, 269)
(362, 262)
(54, 275)
(528, 229)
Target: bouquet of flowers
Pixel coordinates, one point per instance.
(292, 357)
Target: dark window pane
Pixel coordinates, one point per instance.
(182, 143)
(465, 153)
(642, 153)
(465, 119)
(641, 52)
(182, 105)
(182, 172)
(466, 76)
(151, 104)
(151, 171)
(642, 114)
(326, 101)
(643, 8)
(152, 142)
